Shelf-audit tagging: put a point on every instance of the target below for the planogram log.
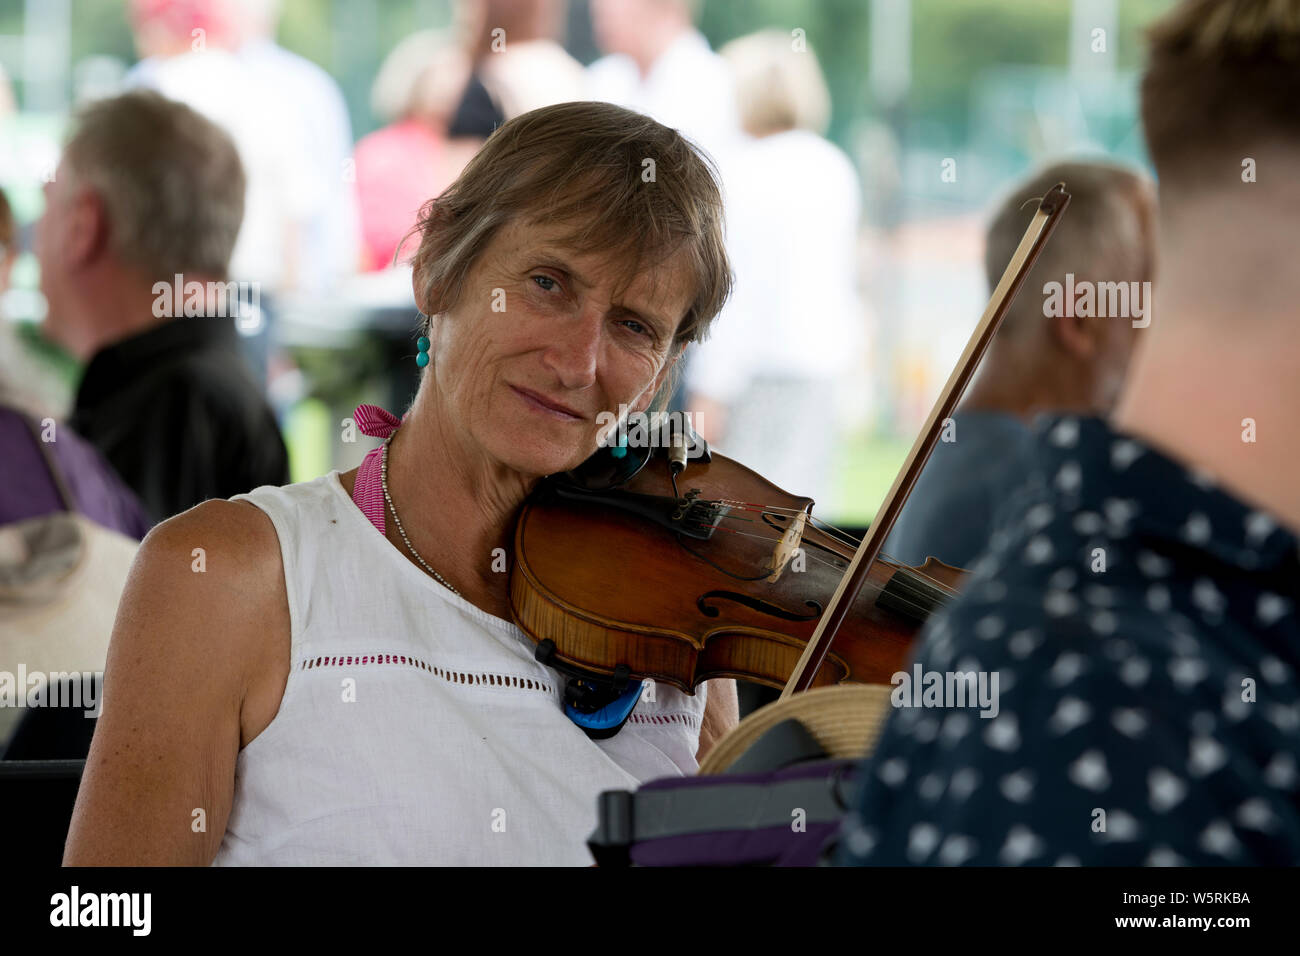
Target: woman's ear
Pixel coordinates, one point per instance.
(429, 233)
(423, 294)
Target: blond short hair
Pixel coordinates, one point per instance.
(585, 165)
(778, 88)
(422, 75)
(170, 179)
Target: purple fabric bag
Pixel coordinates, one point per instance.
(31, 490)
(781, 817)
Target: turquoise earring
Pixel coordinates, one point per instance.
(422, 356)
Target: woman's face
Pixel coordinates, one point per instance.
(540, 344)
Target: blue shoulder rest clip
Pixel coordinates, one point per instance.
(598, 704)
(608, 720)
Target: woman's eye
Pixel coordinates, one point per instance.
(544, 279)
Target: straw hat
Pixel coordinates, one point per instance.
(845, 719)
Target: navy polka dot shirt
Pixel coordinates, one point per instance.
(1141, 623)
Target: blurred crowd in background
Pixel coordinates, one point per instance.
(858, 183)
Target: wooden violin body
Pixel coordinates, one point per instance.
(689, 593)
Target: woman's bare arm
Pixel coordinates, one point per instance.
(721, 713)
(193, 643)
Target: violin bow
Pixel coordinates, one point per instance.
(1050, 208)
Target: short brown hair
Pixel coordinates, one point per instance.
(171, 180)
(583, 164)
(1223, 77)
(1106, 235)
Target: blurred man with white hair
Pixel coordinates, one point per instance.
(35, 484)
(150, 193)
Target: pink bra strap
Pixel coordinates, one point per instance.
(367, 490)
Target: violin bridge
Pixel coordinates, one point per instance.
(787, 546)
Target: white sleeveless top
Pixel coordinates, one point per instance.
(416, 728)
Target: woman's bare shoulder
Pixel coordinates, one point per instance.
(221, 560)
(219, 528)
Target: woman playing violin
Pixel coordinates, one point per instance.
(327, 672)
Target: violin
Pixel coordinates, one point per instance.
(728, 579)
(647, 565)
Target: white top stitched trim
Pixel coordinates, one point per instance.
(454, 677)
(690, 720)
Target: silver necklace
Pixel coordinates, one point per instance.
(383, 481)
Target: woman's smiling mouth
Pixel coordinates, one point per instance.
(547, 406)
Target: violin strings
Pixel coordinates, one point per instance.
(906, 586)
(826, 526)
(840, 536)
(904, 575)
(903, 581)
(765, 537)
(838, 567)
(870, 588)
(843, 537)
(776, 538)
(839, 533)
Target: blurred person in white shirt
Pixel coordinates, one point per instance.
(763, 386)
(187, 51)
(330, 230)
(660, 65)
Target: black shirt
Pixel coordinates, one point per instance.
(1142, 625)
(478, 115)
(176, 411)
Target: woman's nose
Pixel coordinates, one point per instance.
(574, 348)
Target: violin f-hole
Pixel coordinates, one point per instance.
(757, 604)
